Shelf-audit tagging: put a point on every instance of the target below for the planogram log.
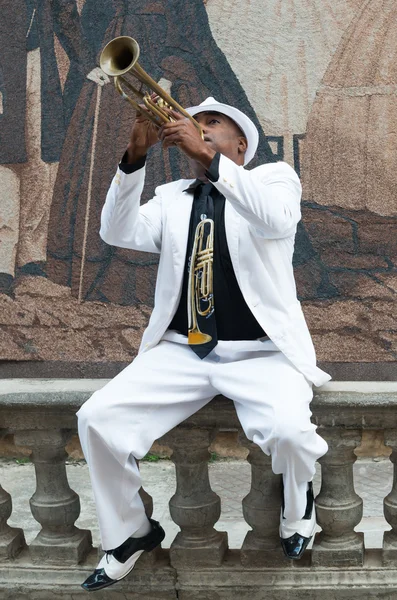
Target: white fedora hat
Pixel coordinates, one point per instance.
(246, 125)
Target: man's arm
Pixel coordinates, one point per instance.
(124, 223)
(268, 196)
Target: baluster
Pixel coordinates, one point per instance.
(261, 509)
(147, 502)
(12, 540)
(148, 559)
(146, 498)
(339, 508)
(194, 507)
(54, 504)
(389, 554)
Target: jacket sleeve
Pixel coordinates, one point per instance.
(268, 197)
(126, 224)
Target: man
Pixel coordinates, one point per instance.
(259, 355)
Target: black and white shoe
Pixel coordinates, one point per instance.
(296, 535)
(117, 563)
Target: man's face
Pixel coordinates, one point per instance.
(223, 135)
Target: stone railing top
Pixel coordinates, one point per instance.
(353, 404)
(360, 387)
(23, 385)
(49, 386)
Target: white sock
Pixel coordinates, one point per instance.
(143, 530)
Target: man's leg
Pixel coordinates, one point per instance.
(119, 423)
(272, 402)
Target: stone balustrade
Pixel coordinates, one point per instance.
(199, 564)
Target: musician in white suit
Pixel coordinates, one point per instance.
(257, 349)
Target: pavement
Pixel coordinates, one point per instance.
(229, 478)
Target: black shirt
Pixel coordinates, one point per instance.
(234, 319)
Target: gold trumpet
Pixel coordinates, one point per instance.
(200, 284)
(118, 59)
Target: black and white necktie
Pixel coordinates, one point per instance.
(206, 324)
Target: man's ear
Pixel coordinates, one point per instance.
(242, 145)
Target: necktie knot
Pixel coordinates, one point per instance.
(207, 188)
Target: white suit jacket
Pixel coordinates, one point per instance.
(262, 210)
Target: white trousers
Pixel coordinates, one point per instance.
(167, 384)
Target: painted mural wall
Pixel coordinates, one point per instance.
(319, 79)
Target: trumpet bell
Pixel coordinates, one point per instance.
(119, 56)
(119, 59)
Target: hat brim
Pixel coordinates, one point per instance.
(246, 125)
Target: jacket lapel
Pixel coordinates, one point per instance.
(178, 227)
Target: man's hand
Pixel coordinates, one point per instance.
(183, 134)
(144, 134)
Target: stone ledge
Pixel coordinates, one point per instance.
(363, 405)
(367, 405)
(233, 582)
(20, 580)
